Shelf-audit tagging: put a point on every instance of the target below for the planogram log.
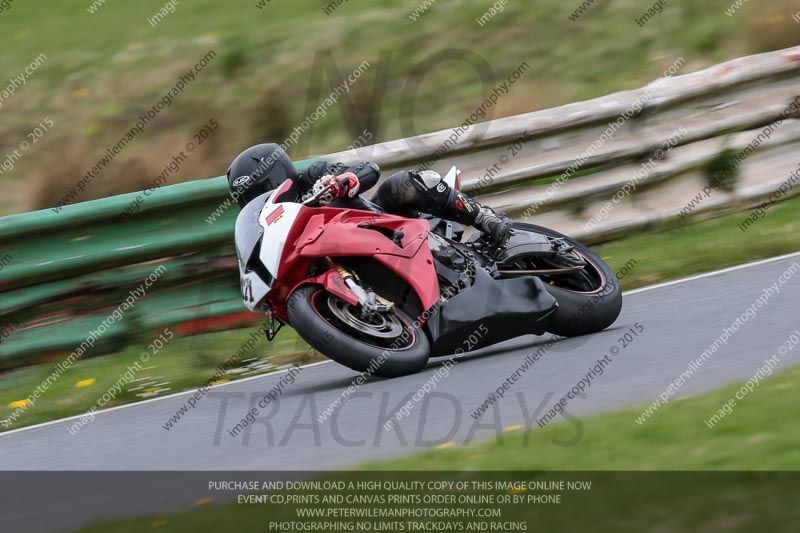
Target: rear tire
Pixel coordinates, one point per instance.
(581, 313)
(314, 316)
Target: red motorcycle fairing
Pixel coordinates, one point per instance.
(334, 283)
(336, 232)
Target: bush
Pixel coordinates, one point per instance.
(62, 171)
(769, 25)
(270, 120)
(235, 56)
(723, 170)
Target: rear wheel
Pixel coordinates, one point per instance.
(386, 344)
(589, 300)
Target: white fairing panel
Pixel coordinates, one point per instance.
(248, 235)
(254, 290)
(277, 220)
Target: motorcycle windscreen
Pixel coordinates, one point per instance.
(248, 231)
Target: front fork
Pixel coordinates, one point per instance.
(342, 283)
(369, 301)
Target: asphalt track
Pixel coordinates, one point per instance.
(680, 320)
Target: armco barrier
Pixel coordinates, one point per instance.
(67, 270)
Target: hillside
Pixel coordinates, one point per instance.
(273, 62)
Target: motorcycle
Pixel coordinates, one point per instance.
(381, 293)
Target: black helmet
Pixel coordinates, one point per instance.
(259, 169)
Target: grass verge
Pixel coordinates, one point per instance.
(760, 434)
(183, 364)
(685, 248)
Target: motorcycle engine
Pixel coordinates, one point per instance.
(449, 256)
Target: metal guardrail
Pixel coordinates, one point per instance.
(66, 270)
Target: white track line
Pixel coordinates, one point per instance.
(267, 376)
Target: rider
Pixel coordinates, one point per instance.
(265, 167)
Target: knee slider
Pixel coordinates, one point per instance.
(429, 179)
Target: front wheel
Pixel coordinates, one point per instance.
(386, 344)
(588, 301)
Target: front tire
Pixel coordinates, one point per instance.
(586, 310)
(388, 346)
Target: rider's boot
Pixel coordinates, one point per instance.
(496, 225)
(465, 210)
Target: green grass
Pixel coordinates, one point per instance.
(693, 247)
(760, 434)
(104, 69)
(183, 364)
(186, 363)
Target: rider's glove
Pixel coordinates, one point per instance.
(345, 185)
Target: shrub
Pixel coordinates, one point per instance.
(235, 56)
(723, 170)
(769, 25)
